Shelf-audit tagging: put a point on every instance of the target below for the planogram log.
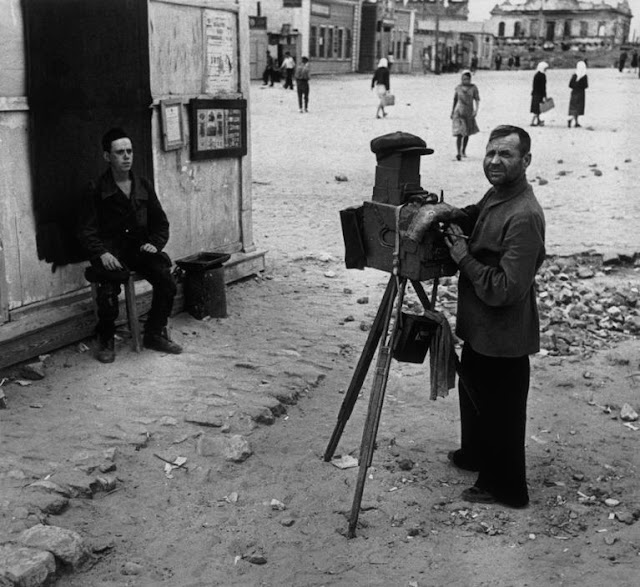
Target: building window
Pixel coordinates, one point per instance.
(321, 41)
(329, 53)
(501, 29)
(567, 29)
(339, 42)
(517, 29)
(602, 29)
(534, 27)
(347, 44)
(405, 47)
(584, 28)
(313, 42)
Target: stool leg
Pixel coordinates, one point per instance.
(132, 314)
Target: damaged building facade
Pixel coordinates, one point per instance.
(560, 24)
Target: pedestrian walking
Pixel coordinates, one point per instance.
(578, 83)
(474, 62)
(621, 61)
(466, 102)
(382, 85)
(499, 248)
(539, 92)
(288, 66)
(303, 74)
(498, 61)
(634, 60)
(268, 74)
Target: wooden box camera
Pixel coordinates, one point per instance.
(370, 231)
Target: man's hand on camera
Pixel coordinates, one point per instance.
(110, 262)
(148, 248)
(456, 241)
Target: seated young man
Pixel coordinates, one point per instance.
(123, 227)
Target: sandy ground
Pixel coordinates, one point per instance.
(296, 333)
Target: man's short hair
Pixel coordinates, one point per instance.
(113, 135)
(505, 130)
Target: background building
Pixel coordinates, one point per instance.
(561, 24)
(326, 31)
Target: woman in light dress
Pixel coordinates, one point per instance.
(466, 101)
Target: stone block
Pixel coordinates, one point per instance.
(21, 566)
(65, 544)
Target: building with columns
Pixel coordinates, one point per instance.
(560, 24)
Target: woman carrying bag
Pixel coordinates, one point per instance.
(381, 83)
(538, 93)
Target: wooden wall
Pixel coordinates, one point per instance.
(208, 202)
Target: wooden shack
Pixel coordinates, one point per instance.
(175, 74)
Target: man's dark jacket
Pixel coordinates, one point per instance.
(111, 222)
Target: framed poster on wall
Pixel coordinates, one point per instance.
(172, 127)
(218, 128)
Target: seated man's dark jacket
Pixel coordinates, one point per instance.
(111, 222)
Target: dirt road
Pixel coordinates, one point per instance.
(289, 347)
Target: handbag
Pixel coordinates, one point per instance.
(389, 100)
(547, 105)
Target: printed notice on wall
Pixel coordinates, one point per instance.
(221, 34)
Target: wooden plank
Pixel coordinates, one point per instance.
(244, 265)
(4, 290)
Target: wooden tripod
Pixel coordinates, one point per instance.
(380, 335)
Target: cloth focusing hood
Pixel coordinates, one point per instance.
(399, 142)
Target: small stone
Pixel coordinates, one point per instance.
(66, 544)
(33, 371)
(277, 505)
(628, 414)
(131, 568)
(542, 181)
(610, 540)
(330, 274)
(596, 172)
(287, 522)
(611, 502)
(625, 517)
(341, 177)
(406, 464)
(585, 273)
(20, 565)
(363, 300)
(255, 558)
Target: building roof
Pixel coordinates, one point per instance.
(559, 5)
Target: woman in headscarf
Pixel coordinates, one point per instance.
(381, 83)
(466, 101)
(538, 93)
(578, 84)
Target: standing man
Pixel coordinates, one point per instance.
(498, 320)
(289, 66)
(268, 74)
(303, 74)
(123, 228)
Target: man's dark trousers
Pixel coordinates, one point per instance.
(156, 269)
(494, 439)
(303, 93)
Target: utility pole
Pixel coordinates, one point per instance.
(437, 39)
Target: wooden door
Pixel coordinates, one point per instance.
(87, 71)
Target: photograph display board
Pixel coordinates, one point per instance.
(218, 128)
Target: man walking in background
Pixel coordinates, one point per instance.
(303, 75)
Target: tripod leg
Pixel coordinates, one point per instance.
(375, 408)
(362, 367)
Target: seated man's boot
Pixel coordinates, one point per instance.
(106, 350)
(161, 342)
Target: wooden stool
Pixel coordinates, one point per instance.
(133, 319)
